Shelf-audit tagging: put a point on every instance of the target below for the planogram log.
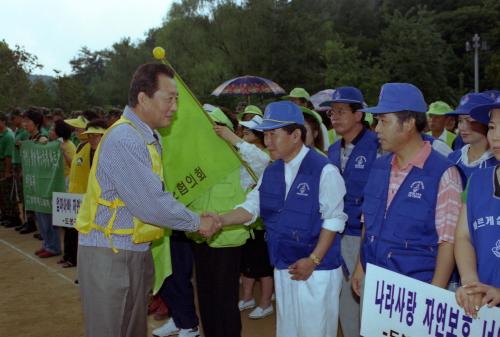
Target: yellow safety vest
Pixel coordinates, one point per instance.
(85, 222)
(79, 171)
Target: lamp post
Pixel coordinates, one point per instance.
(476, 45)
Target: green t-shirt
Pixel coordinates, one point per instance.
(21, 135)
(7, 143)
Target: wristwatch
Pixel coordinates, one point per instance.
(316, 260)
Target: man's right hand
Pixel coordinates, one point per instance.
(357, 279)
(209, 224)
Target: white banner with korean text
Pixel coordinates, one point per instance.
(65, 208)
(395, 305)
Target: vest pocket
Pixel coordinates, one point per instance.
(415, 263)
(289, 251)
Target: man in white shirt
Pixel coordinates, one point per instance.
(300, 198)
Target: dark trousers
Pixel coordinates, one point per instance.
(177, 289)
(217, 283)
(70, 245)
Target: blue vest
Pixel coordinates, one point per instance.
(483, 217)
(403, 238)
(293, 224)
(466, 171)
(428, 138)
(458, 143)
(355, 176)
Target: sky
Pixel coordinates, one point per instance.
(55, 30)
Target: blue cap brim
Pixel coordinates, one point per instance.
(458, 112)
(481, 113)
(270, 125)
(380, 109)
(347, 101)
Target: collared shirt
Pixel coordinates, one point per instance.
(331, 193)
(346, 150)
(448, 203)
(124, 171)
(464, 157)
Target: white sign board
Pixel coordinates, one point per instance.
(65, 208)
(395, 305)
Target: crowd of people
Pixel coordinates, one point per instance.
(407, 186)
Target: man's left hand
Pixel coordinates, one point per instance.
(302, 269)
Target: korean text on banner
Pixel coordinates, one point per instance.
(65, 208)
(395, 305)
(43, 174)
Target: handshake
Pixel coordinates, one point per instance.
(210, 223)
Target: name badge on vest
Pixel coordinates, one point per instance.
(416, 186)
(79, 161)
(303, 189)
(360, 162)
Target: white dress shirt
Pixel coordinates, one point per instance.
(331, 194)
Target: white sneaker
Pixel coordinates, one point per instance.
(243, 305)
(189, 333)
(258, 312)
(167, 329)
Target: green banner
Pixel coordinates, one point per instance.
(43, 174)
(194, 157)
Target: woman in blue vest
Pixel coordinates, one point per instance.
(477, 249)
(300, 198)
(353, 155)
(475, 154)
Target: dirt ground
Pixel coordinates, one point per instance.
(38, 298)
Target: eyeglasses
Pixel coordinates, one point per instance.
(333, 112)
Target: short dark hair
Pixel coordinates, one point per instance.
(115, 112)
(419, 117)
(62, 129)
(292, 127)
(34, 115)
(3, 117)
(90, 114)
(145, 80)
(16, 112)
(97, 123)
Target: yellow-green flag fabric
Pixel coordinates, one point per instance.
(194, 159)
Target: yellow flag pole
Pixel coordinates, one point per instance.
(159, 54)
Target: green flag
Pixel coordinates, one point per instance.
(43, 174)
(194, 157)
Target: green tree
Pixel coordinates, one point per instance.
(412, 50)
(41, 94)
(15, 66)
(347, 67)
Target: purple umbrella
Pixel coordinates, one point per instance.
(320, 97)
(248, 85)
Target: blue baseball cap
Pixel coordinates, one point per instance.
(482, 113)
(398, 97)
(492, 93)
(469, 101)
(280, 114)
(345, 95)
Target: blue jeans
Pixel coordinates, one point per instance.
(49, 233)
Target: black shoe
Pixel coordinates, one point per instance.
(30, 228)
(12, 222)
(37, 236)
(18, 228)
